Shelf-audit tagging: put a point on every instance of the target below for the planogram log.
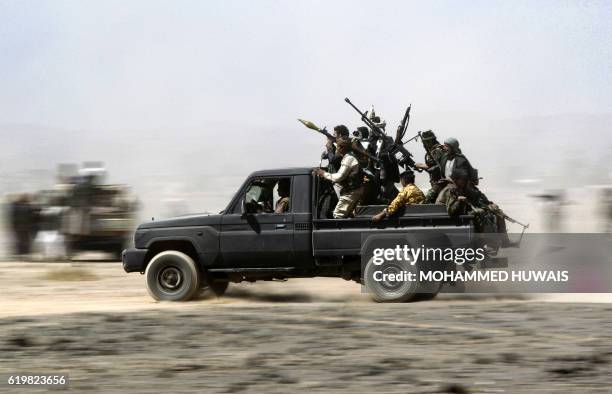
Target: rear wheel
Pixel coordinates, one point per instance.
(172, 276)
(409, 278)
(377, 279)
(398, 281)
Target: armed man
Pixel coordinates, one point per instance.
(409, 195)
(454, 159)
(334, 159)
(433, 156)
(455, 195)
(462, 199)
(349, 178)
(367, 160)
(500, 217)
(458, 199)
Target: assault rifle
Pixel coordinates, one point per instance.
(401, 129)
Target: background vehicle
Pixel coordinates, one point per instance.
(84, 213)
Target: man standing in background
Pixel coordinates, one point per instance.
(23, 224)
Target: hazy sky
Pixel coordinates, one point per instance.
(117, 65)
(185, 98)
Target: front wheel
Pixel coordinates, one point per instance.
(172, 276)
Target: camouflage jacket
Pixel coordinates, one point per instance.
(432, 158)
(409, 195)
(476, 203)
(449, 197)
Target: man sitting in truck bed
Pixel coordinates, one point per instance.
(410, 194)
(461, 199)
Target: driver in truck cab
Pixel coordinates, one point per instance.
(282, 205)
(349, 177)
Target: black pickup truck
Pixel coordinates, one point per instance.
(248, 241)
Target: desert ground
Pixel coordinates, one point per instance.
(99, 325)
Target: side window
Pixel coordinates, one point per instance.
(268, 195)
(255, 193)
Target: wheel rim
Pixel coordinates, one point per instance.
(170, 279)
(388, 285)
(386, 290)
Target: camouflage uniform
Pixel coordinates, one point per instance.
(432, 158)
(434, 155)
(409, 195)
(449, 197)
(488, 218)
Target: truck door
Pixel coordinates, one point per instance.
(259, 230)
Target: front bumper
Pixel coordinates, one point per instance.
(134, 259)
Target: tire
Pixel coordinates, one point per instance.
(414, 286)
(384, 291)
(172, 276)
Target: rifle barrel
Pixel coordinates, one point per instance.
(413, 138)
(508, 218)
(366, 120)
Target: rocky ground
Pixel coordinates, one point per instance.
(320, 335)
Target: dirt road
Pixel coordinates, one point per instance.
(310, 335)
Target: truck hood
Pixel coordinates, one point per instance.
(184, 221)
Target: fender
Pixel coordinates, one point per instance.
(205, 241)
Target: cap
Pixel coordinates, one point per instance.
(452, 142)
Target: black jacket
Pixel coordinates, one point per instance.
(333, 158)
(461, 162)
